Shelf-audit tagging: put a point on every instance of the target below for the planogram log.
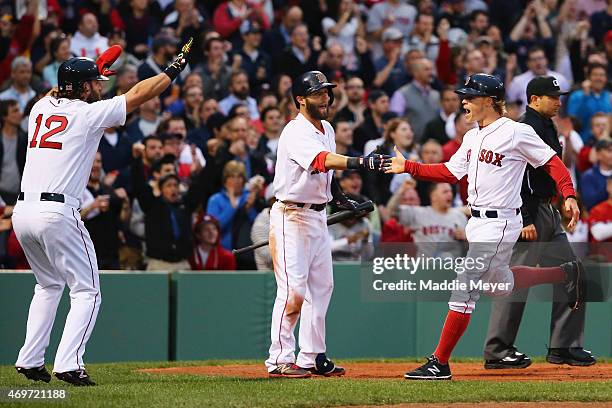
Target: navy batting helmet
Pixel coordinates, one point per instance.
(483, 85)
(310, 82)
(75, 71)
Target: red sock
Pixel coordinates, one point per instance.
(454, 327)
(527, 276)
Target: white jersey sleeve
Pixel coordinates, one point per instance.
(303, 149)
(530, 146)
(107, 113)
(459, 162)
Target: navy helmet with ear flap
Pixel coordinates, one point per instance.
(483, 85)
(73, 72)
(310, 82)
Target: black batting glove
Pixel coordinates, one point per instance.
(341, 200)
(180, 62)
(345, 203)
(373, 161)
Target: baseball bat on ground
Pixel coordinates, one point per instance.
(360, 210)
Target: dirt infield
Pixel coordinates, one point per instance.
(538, 404)
(461, 371)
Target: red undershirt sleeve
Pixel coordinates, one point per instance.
(319, 162)
(430, 172)
(557, 170)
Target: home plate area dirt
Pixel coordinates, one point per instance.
(461, 372)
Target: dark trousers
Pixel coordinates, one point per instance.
(566, 325)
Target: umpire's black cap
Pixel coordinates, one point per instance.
(544, 86)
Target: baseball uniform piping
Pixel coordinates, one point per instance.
(488, 267)
(280, 329)
(93, 282)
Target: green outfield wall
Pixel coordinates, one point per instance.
(226, 315)
(132, 324)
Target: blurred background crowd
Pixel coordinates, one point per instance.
(187, 179)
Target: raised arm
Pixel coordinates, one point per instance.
(154, 86)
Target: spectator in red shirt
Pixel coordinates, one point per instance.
(208, 254)
(600, 228)
(600, 218)
(392, 230)
(20, 35)
(14, 250)
(229, 15)
(600, 129)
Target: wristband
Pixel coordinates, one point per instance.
(172, 71)
(354, 163)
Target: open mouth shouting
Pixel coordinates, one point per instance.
(467, 107)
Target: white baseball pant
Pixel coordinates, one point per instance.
(491, 240)
(301, 252)
(60, 251)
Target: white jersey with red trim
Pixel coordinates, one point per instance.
(63, 137)
(295, 179)
(494, 159)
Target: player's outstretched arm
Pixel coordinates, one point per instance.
(373, 161)
(154, 86)
(429, 172)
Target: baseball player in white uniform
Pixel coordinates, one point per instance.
(64, 132)
(494, 157)
(299, 241)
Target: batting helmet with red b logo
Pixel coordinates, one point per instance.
(310, 82)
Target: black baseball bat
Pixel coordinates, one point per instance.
(360, 210)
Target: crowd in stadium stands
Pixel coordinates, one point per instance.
(188, 178)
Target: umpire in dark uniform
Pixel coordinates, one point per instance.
(541, 223)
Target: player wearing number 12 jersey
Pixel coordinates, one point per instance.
(64, 131)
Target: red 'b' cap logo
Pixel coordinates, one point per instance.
(321, 77)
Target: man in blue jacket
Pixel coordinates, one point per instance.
(593, 181)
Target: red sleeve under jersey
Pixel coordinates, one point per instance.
(557, 170)
(430, 172)
(319, 162)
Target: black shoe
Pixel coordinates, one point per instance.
(574, 283)
(432, 370)
(36, 373)
(326, 367)
(80, 378)
(515, 359)
(575, 356)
